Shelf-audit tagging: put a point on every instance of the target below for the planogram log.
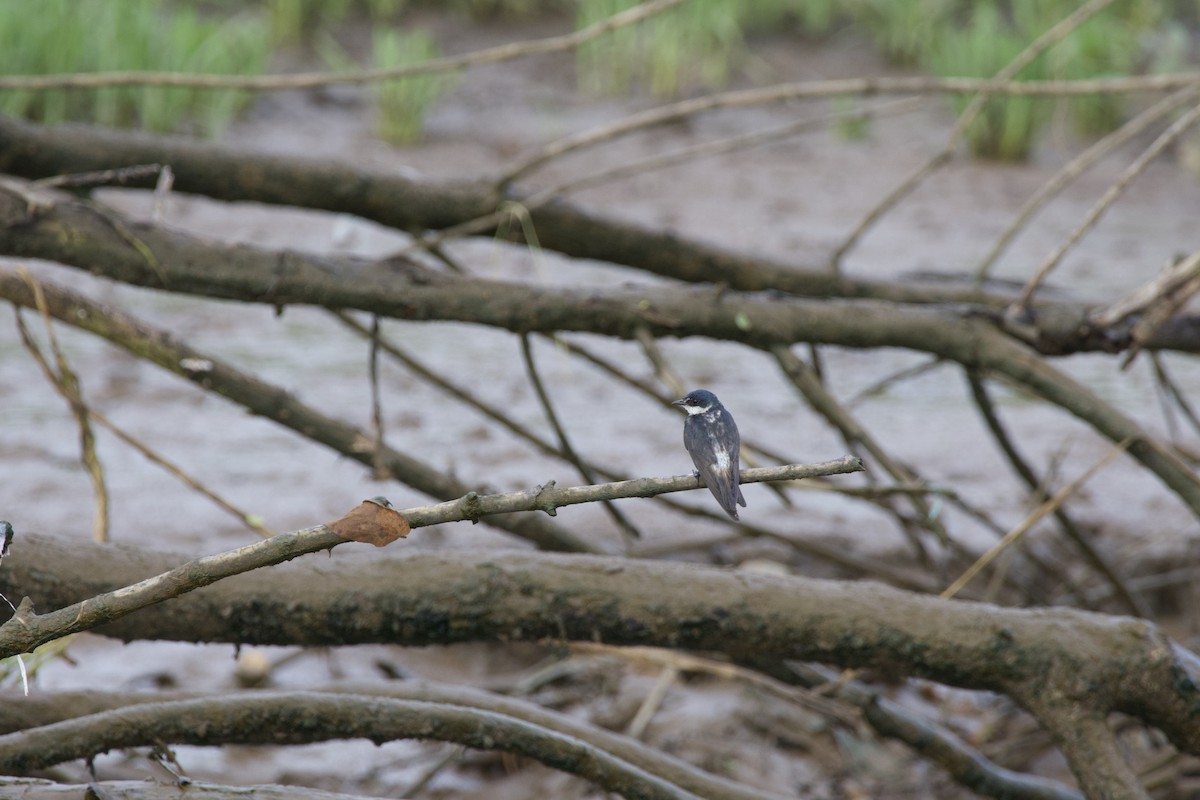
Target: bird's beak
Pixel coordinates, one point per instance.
(676, 402)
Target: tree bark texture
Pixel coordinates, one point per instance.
(29, 789)
(1054, 662)
(203, 168)
(21, 713)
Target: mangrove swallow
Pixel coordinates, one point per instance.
(711, 438)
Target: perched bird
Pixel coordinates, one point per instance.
(711, 438)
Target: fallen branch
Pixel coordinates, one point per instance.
(274, 403)
(935, 742)
(416, 205)
(966, 118)
(282, 407)
(1057, 663)
(852, 562)
(305, 717)
(27, 630)
(47, 710)
(34, 789)
(83, 235)
(932, 741)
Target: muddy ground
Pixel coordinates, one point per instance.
(793, 200)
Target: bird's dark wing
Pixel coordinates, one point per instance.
(701, 439)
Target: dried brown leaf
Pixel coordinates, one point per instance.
(371, 521)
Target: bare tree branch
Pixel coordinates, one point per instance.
(1076, 167)
(1048, 39)
(280, 406)
(1055, 662)
(935, 742)
(564, 442)
(1110, 196)
(413, 205)
(66, 382)
(1091, 749)
(744, 98)
(855, 436)
(308, 80)
(27, 630)
(33, 789)
(41, 711)
(276, 404)
(304, 717)
(1132, 603)
(412, 292)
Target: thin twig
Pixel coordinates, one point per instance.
(667, 678)
(883, 384)
(380, 469)
(66, 383)
(987, 410)
(627, 527)
(855, 435)
(780, 93)
(432, 771)
(454, 390)
(740, 142)
(1154, 304)
(662, 368)
(1055, 34)
(105, 177)
(249, 520)
(1164, 379)
(687, 662)
(1110, 196)
(1168, 284)
(310, 80)
(1076, 167)
(1045, 508)
(27, 630)
(464, 396)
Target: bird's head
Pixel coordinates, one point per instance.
(698, 401)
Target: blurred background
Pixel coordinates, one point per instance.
(794, 199)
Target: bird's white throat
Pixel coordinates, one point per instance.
(694, 410)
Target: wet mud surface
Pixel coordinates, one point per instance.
(794, 200)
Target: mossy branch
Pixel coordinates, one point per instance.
(305, 717)
(1057, 663)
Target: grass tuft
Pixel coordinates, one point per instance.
(69, 36)
(981, 48)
